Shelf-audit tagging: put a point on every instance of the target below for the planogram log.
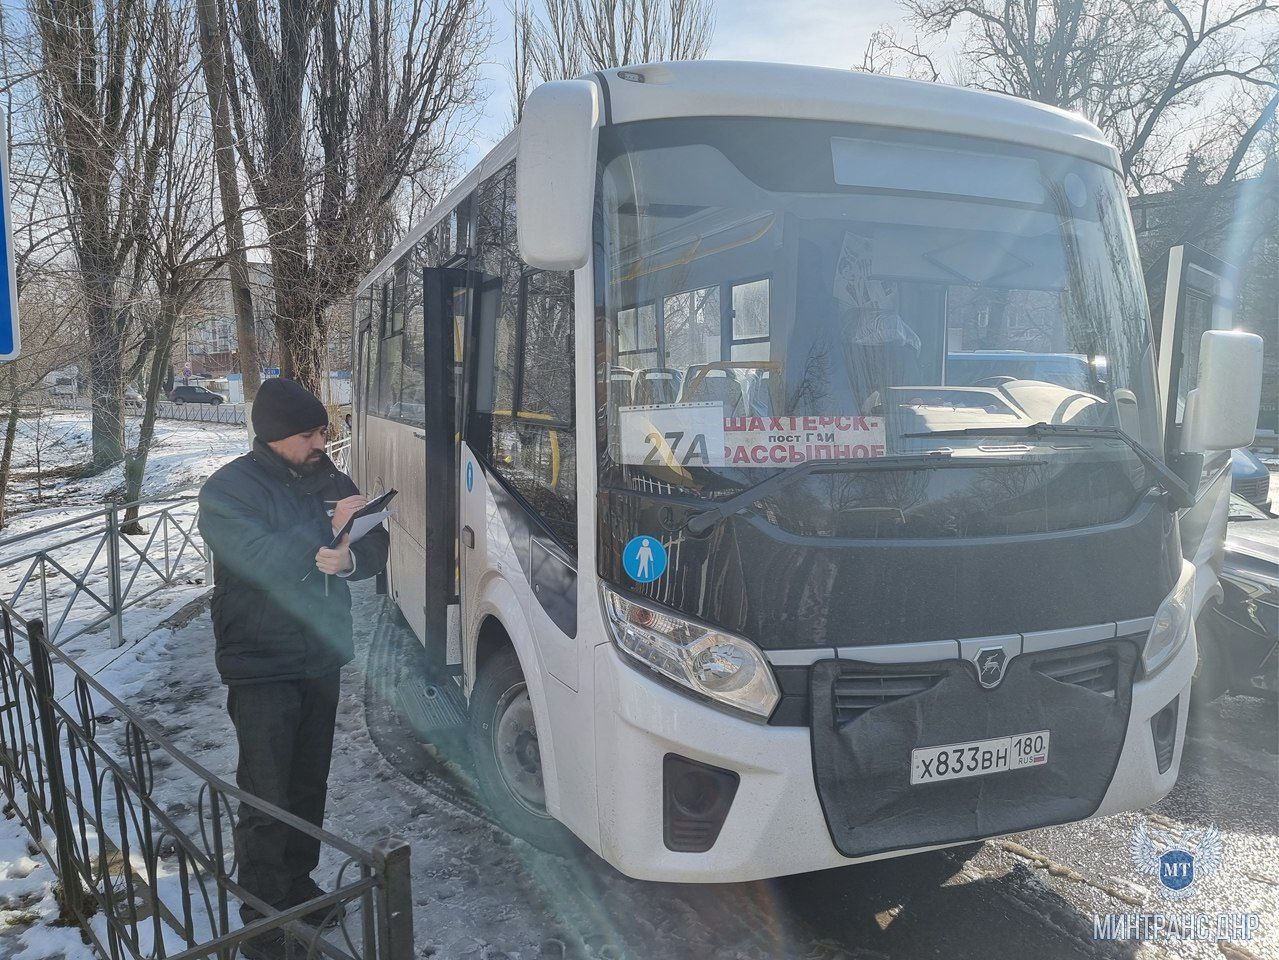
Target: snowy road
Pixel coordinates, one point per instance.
(481, 896)
(1032, 895)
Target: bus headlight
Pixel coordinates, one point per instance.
(717, 665)
(1172, 622)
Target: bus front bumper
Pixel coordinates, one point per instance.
(775, 825)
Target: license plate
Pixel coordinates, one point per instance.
(977, 758)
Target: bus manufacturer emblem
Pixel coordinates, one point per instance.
(990, 663)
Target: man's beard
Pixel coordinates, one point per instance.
(311, 465)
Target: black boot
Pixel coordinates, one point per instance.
(323, 917)
(271, 945)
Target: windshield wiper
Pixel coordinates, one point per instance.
(1176, 487)
(702, 522)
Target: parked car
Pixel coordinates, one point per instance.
(133, 400)
(187, 393)
(1250, 478)
(1239, 636)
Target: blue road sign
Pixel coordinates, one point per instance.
(272, 371)
(10, 338)
(644, 559)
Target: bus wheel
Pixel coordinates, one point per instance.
(1210, 672)
(508, 764)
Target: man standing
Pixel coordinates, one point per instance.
(282, 624)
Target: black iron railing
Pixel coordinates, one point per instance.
(159, 870)
(81, 574)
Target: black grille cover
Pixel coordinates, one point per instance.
(1093, 667)
(861, 759)
(857, 691)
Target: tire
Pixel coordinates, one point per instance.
(1210, 672)
(500, 712)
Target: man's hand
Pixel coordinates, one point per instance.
(337, 560)
(345, 509)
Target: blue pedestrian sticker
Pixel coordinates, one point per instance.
(644, 559)
(470, 476)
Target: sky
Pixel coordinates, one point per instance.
(827, 33)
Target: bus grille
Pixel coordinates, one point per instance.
(1095, 669)
(856, 691)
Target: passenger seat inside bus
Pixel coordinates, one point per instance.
(655, 385)
(711, 386)
(619, 386)
(759, 389)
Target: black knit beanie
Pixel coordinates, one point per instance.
(285, 407)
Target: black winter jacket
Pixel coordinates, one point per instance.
(264, 523)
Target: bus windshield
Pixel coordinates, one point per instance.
(779, 291)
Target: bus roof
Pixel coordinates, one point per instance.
(726, 88)
(739, 88)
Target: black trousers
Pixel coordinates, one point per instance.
(285, 734)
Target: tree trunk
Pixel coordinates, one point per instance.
(302, 337)
(135, 465)
(105, 380)
(6, 458)
(212, 44)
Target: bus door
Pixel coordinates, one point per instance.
(444, 296)
(1199, 296)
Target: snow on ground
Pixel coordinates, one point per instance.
(182, 454)
(27, 907)
(477, 893)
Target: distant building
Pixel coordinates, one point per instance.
(210, 348)
(64, 382)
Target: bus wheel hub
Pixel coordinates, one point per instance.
(518, 758)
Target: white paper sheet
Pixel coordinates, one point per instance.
(362, 525)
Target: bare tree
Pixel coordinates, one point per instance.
(213, 41)
(337, 104)
(97, 101)
(50, 309)
(177, 250)
(1143, 70)
(888, 53)
(51, 317)
(561, 39)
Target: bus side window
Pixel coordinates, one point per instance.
(486, 267)
(389, 353)
(413, 374)
(547, 469)
(522, 416)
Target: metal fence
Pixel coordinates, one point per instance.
(137, 875)
(167, 410)
(200, 412)
(80, 575)
(339, 452)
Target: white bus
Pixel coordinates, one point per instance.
(784, 477)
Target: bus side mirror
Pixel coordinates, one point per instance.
(555, 174)
(1221, 412)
